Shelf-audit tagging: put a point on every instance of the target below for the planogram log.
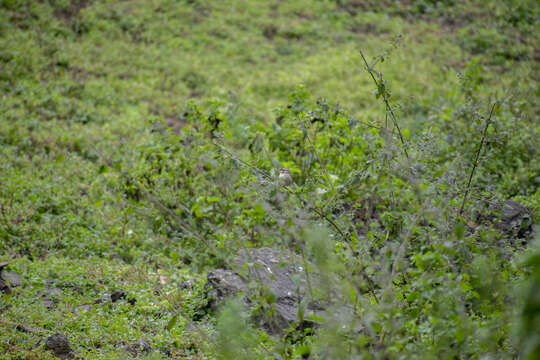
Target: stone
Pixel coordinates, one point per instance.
(118, 295)
(83, 309)
(139, 348)
(59, 345)
(187, 285)
(4, 284)
(269, 270)
(49, 296)
(221, 284)
(512, 218)
(4, 287)
(13, 279)
(515, 217)
(48, 303)
(53, 291)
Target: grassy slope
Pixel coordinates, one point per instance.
(102, 71)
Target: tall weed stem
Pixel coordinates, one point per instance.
(386, 102)
(477, 156)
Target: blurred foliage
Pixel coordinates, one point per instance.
(530, 316)
(141, 142)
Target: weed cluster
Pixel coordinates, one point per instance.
(382, 217)
(142, 153)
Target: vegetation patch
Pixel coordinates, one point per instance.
(269, 180)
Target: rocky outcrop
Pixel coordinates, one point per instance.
(510, 217)
(514, 217)
(269, 273)
(8, 280)
(60, 346)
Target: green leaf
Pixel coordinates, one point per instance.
(465, 286)
(172, 322)
(413, 296)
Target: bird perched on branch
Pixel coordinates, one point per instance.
(285, 178)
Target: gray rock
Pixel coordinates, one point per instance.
(118, 295)
(272, 268)
(187, 285)
(52, 291)
(48, 303)
(4, 284)
(4, 287)
(59, 345)
(83, 309)
(13, 279)
(49, 296)
(512, 218)
(139, 348)
(221, 284)
(267, 271)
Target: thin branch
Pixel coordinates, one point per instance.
(263, 173)
(475, 164)
(387, 103)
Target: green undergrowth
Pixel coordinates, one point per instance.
(141, 143)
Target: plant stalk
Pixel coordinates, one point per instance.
(475, 164)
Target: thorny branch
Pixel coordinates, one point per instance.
(387, 103)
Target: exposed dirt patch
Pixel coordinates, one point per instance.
(352, 7)
(22, 18)
(365, 29)
(409, 13)
(303, 15)
(71, 11)
(270, 31)
(78, 73)
(175, 124)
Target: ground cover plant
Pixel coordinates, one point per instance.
(141, 145)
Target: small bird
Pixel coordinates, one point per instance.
(285, 178)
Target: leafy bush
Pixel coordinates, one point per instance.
(142, 141)
(410, 267)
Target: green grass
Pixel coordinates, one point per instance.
(78, 74)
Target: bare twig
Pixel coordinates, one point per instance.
(475, 164)
(387, 103)
(263, 173)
